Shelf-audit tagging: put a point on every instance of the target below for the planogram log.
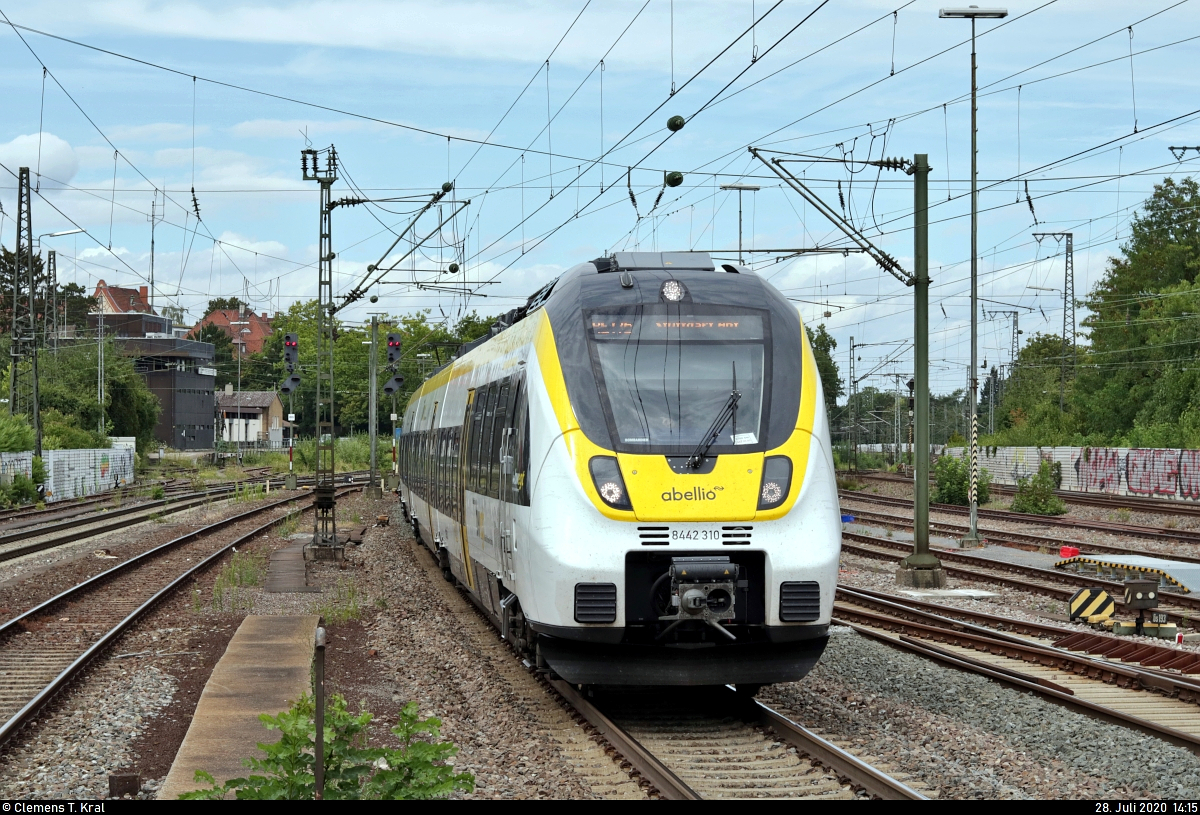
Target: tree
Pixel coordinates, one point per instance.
(73, 302)
(1135, 375)
(223, 303)
(823, 346)
(1029, 415)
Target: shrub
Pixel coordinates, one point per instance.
(952, 477)
(353, 771)
(1035, 495)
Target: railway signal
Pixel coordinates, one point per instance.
(394, 385)
(393, 341)
(290, 383)
(291, 351)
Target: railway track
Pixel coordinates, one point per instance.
(1150, 532)
(45, 648)
(1180, 608)
(1159, 505)
(714, 743)
(1017, 540)
(86, 522)
(1023, 654)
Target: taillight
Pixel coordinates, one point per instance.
(606, 475)
(776, 480)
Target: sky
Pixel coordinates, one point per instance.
(546, 116)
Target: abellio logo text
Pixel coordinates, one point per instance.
(694, 494)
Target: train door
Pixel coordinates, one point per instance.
(495, 524)
(430, 472)
(469, 440)
(511, 478)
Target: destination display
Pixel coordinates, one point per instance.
(651, 327)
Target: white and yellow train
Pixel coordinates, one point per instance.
(632, 476)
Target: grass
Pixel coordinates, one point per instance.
(1123, 514)
(341, 605)
(289, 525)
(243, 570)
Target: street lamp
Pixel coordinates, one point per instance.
(741, 188)
(973, 13)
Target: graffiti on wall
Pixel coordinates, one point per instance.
(1098, 469)
(1152, 471)
(1189, 474)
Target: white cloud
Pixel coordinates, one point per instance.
(58, 158)
(101, 252)
(249, 245)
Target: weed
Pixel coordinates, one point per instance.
(890, 533)
(1035, 496)
(244, 493)
(848, 483)
(381, 603)
(158, 492)
(289, 525)
(342, 605)
(353, 770)
(157, 517)
(197, 599)
(243, 569)
(1171, 523)
(1123, 514)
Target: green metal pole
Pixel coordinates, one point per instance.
(921, 568)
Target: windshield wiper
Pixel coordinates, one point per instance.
(728, 410)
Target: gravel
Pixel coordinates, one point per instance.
(967, 737)
(89, 736)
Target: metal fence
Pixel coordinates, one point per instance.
(74, 473)
(1144, 471)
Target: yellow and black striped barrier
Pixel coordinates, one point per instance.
(1091, 603)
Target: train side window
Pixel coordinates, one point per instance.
(518, 446)
(455, 454)
(478, 410)
(485, 439)
(499, 425)
(446, 431)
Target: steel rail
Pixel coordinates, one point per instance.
(669, 785)
(1163, 506)
(167, 506)
(982, 639)
(874, 781)
(1152, 532)
(1022, 540)
(84, 659)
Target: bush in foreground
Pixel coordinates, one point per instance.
(353, 771)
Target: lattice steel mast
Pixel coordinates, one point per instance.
(23, 379)
(1068, 338)
(325, 522)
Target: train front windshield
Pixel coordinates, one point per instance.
(667, 372)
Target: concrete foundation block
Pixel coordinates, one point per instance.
(921, 578)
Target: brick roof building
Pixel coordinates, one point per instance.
(227, 319)
(119, 300)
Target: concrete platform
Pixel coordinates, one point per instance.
(266, 667)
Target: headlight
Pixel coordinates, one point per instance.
(606, 476)
(776, 481)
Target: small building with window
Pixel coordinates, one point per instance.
(252, 418)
